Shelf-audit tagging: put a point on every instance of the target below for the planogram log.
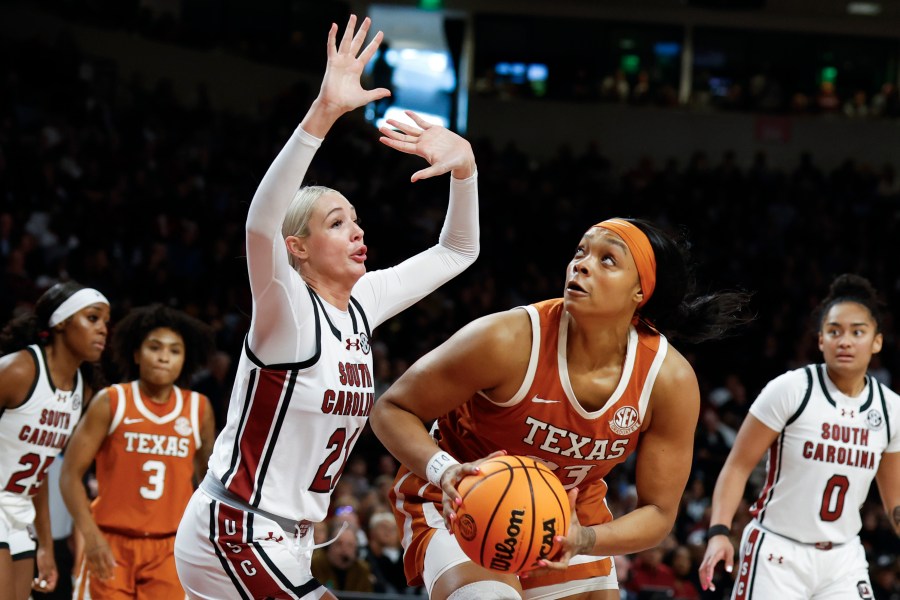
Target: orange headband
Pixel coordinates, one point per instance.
(641, 250)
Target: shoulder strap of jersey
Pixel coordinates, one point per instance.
(809, 387)
(535, 318)
(316, 300)
(39, 369)
(195, 417)
(884, 411)
(362, 316)
(117, 404)
(652, 372)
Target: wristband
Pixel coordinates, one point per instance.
(439, 462)
(718, 529)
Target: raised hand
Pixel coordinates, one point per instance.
(444, 150)
(341, 89)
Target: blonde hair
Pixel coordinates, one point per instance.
(296, 220)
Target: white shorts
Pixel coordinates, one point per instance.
(443, 552)
(225, 552)
(18, 539)
(772, 566)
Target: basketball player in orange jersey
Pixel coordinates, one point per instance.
(304, 385)
(580, 383)
(151, 439)
(42, 390)
(829, 430)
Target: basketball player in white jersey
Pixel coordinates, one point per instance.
(42, 391)
(304, 383)
(829, 430)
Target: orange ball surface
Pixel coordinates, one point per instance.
(510, 514)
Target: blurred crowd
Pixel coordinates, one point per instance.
(761, 92)
(121, 187)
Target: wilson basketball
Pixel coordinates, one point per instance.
(510, 514)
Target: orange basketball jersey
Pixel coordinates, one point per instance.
(145, 466)
(545, 421)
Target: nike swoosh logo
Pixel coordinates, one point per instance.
(543, 401)
(132, 421)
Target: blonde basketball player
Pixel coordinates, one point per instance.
(304, 385)
(829, 429)
(150, 439)
(42, 391)
(579, 383)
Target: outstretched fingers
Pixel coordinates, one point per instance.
(347, 38)
(369, 51)
(360, 36)
(418, 120)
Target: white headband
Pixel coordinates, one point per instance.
(80, 299)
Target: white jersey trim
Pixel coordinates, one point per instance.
(655, 366)
(120, 409)
(627, 370)
(151, 416)
(532, 361)
(195, 419)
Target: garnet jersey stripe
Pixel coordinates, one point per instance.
(291, 426)
(263, 402)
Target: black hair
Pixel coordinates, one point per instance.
(675, 309)
(130, 332)
(851, 288)
(33, 327)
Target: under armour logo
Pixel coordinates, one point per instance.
(778, 559)
(844, 413)
(353, 344)
(273, 538)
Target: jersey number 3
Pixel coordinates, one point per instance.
(323, 482)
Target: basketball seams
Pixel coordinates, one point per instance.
(508, 497)
(490, 523)
(563, 510)
(532, 511)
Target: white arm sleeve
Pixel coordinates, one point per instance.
(386, 292)
(780, 399)
(281, 329)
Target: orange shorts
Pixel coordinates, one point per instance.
(145, 568)
(417, 509)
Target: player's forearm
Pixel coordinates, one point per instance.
(76, 501)
(42, 518)
(643, 528)
(403, 435)
(727, 495)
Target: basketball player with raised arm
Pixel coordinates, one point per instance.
(829, 430)
(304, 386)
(42, 391)
(579, 383)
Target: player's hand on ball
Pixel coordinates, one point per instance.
(451, 478)
(579, 540)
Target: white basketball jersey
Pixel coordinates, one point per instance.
(821, 466)
(32, 435)
(291, 427)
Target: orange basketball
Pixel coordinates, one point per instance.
(510, 514)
